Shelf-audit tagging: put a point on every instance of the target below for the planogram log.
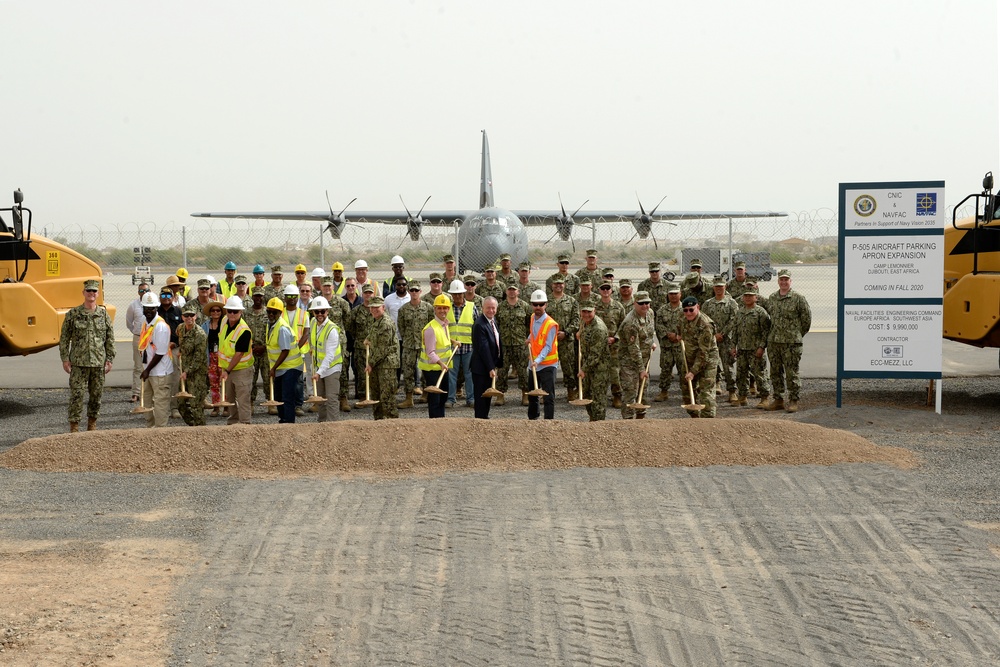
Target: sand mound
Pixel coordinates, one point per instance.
(402, 447)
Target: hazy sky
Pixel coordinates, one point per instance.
(118, 112)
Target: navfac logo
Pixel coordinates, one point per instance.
(926, 203)
(864, 205)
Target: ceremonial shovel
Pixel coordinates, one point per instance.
(436, 389)
(368, 383)
(314, 398)
(580, 400)
(141, 408)
(272, 403)
(223, 403)
(642, 387)
(183, 393)
(538, 391)
(493, 392)
(692, 407)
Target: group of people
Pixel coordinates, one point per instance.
(225, 341)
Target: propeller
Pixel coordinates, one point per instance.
(414, 223)
(336, 221)
(564, 223)
(643, 222)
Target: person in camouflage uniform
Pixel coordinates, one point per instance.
(525, 286)
(625, 296)
(383, 360)
(590, 270)
(612, 313)
(192, 350)
(791, 319)
(586, 294)
(565, 311)
(740, 282)
(506, 275)
(668, 318)
(571, 285)
(87, 350)
(357, 326)
(513, 318)
(413, 316)
(655, 286)
(694, 285)
(490, 286)
(595, 364)
(702, 355)
(274, 288)
(471, 284)
(256, 319)
(721, 309)
(753, 325)
(436, 282)
(636, 342)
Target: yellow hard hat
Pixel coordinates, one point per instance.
(276, 304)
(301, 267)
(337, 266)
(182, 273)
(442, 300)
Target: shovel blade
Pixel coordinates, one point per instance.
(694, 407)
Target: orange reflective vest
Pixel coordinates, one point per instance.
(537, 343)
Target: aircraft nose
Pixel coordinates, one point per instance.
(482, 251)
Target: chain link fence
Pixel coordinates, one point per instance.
(805, 242)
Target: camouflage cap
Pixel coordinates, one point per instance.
(524, 266)
(642, 296)
(750, 289)
(448, 258)
(740, 265)
(607, 272)
(468, 278)
(191, 307)
(368, 287)
(563, 258)
(696, 263)
(654, 266)
(784, 273)
(240, 279)
(257, 290)
(719, 282)
(586, 281)
(490, 267)
(625, 282)
(591, 253)
(692, 278)
(505, 256)
(435, 278)
(607, 283)
(587, 306)
(376, 301)
(513, 286)
(673, 288)
(91, 284)
(414, 285)
(326, 280)
(276, 269)
(204, 282)
(558, 279)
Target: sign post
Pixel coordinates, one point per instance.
(891, 281)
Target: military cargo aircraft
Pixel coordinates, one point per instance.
(484, 234)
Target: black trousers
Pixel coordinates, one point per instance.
(547, 381)
(481, 383)
(435, 402)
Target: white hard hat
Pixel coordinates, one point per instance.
(361, 264)
(457, 287)
(396, 259)
(318, 273)
(319, 303)
(212, 280)
(234, 303)
(150, 301)
(291, 290)
(538, 296)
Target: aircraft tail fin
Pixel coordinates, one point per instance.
(486, 183)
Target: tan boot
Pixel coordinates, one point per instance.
(272, 410)
(793, 406)
(500, 400)
(91, 423)
(74, 427)
(313, 407)
(417, 391)
(776, 404)
(732, 398)
(662, 396)
(524, 398)
(423, 398)
(742, 402)
(406, 402)
(616, 400)
(762, 405)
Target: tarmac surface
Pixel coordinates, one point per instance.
(786, 565)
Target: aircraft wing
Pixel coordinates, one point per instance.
(552, 217)
(387, 217)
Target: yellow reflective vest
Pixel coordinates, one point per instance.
(227, 347)
(461, 331)
(442, 346)
(294, 358)
(317, 339)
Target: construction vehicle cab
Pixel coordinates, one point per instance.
(39, 281)
(972, 271)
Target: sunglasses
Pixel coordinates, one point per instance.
(605, 287)
(167, 295)
(564, 262)
(414, 289)
(91, 290)
(188, 315)
(204, 288)
(688, 310)
(538, 305)
(143, 291)
(234, 312)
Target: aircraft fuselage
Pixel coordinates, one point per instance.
(488, 233)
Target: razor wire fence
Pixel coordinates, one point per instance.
(805, 242)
